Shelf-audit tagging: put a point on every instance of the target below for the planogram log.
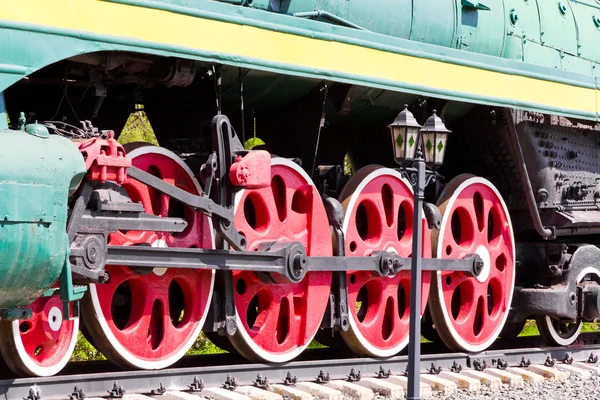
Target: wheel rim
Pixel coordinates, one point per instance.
(470, 312)
(558, 333)
(41, 345)
(379, 209)
(277, 321)
(170, 305)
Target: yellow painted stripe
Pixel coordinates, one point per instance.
(214, 36)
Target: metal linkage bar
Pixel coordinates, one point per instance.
(201, 203)
(134, 256)
(109, 221)
(284, 262)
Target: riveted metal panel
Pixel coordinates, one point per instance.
(558, 29)
(435, 22)
(576, 64)
(522, 19)
(482, 31)
(535, 53)
(587, 14)
(23, 202)
(514, 48)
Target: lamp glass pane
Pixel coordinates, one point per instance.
(440, 147)
(399, 141)
(428, 146)
(412, 137)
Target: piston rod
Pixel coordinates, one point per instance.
(287, 262)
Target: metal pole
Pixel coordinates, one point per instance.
(414, 344)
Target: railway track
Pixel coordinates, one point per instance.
(208, 375)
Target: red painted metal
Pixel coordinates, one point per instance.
(105, 160)
(155, 317)
(379, 215)
(479, 221)
(279, 320)
(46, 337)
(253, 171)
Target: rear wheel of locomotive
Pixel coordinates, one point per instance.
(470, 312)
(41, 345)
(378, 216)
(149, 318)
(277, 321)
(562, 333)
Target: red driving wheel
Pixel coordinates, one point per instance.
(276, 321)
(148, 318)
(470, 312)
(379, 210)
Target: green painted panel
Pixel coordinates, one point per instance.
(434, 21)
(336, 7)
(34, 186)
(576, 64)
(514, 48)
(482, 31)
(589, 34)
(290, 7)
(522, 19)
(558, 29)
(23, 202)
(389, 17)
(535, 53)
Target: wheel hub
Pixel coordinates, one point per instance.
(487, 263)
(55, 319)
(159, 243)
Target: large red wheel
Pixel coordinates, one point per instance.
(470, 312)
(149, 318)
(379, 208)
(41, 345)
(276, 321)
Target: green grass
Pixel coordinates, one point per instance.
(530, 328)
(84, 351)
(138, 129)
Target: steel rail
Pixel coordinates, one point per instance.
(217, 368)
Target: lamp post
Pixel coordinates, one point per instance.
(408, 137)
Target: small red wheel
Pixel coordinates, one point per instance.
(379, 208)
(149, 318)
(41, 345)
(470, 312)
(276, 321)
